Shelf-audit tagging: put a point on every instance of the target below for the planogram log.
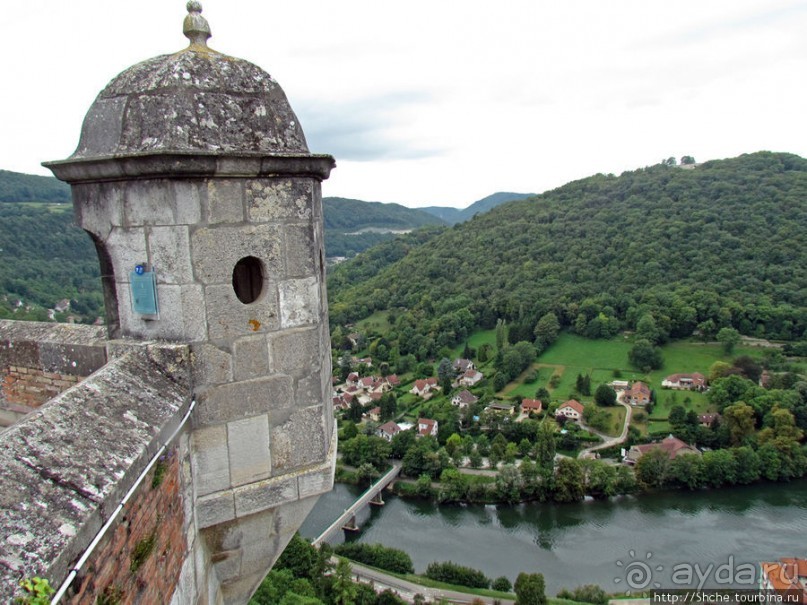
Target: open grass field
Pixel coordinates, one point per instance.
(571, 355)
(377, 323)
(476, 340)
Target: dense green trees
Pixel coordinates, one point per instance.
(451, 573)
(719, 246)
(377, 555)
(18, 187)
(45, 258)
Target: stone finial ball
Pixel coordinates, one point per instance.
(194, 6)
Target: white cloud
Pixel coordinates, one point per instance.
(446, 102)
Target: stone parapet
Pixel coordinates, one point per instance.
(68, 465)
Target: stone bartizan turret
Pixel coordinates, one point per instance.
(193, 169)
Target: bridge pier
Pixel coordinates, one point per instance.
(377, 500)
(351, 525)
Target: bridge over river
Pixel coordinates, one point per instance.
(373, 495)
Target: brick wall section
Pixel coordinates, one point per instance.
(32, 387)
(153, 513)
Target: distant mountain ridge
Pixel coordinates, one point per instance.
(452, 216)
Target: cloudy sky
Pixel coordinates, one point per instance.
(444, 102)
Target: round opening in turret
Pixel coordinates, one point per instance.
(248, 279)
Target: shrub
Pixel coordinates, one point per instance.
(452, 573)
(383, 557)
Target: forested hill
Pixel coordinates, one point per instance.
(18, 187)
(723, 243)
(353, 215)
(352, 226)
(456, 215)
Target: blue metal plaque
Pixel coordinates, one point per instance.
(144, 291)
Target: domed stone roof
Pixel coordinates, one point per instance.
(193, 101)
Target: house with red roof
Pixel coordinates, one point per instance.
(388, 430)
(685, 382)
(427, 427)
(424, 386)
(787, 578)
(463, 365)
(463, 399)
(470, 378)
(531, 406)
(673, 447)
(572, 409)
(637, 394)
(375, 414)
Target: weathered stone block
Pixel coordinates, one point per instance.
(248, 443)
(279, 199)
(298, 438)
(264, 495)
(187, 201)
(227, 564)
(299, 302)
(149, 203)
(295, 352)
(301, 251)
(251, 357)
(225, 199)
(98, 207)
(230, 402)
(215, 508)
(127, 249)
(210, 365)
(162, 202)
(229, 318)
(316, 483)
(169, 254)
(211, 462)
(217, 250)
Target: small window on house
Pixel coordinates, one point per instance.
(248, 279)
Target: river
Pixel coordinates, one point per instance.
(656, 540)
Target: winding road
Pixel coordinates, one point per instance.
(608, 441)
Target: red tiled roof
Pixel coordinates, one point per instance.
(672, 445)
(574, 404)
(531, 404)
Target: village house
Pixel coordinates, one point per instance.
(531, 406)
(463, 365)
(427, 427)
(619, 385)
(673, 447)
(388, 430)
(637, 394)
(352, 379)
(470, 378)
(708, 420)
(500, 407)
(572, 410)
(393, 381)
(685, 382)
(424, 387)
(339, 404)
(463, 399)
(787, 578)
(375, 414)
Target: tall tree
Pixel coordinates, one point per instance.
(530, 589)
